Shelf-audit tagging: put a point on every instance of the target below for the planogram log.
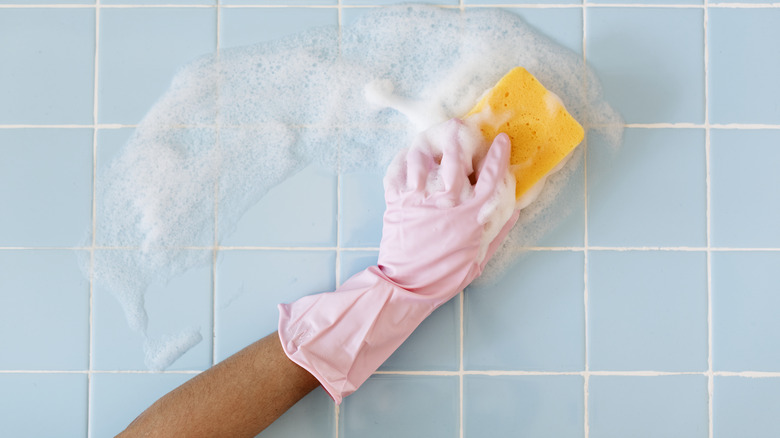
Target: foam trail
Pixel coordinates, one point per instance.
(240, 123)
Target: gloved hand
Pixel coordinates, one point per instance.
(439, 232)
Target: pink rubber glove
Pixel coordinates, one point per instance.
(439, 232)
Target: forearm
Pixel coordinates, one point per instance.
(238, 397)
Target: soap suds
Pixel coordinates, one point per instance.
(234, 124)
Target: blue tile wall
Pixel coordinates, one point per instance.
(744, 69)
(45, 298)
(531, 406)
(43, 405)
(746, 330)
(393, 406)
(744, 173)
(647, 311)
(650, 60)
(46, 181)
(531, 320)
(39, 84)
(658, 285)
(746, 407)
(648, 406)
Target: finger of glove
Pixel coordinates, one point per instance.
(493, 167)
(453, 169)
(499, 239)
(419, 165)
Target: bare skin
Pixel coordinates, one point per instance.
(239, 397)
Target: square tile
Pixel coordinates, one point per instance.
(531, 319)
(653, 2)
(276, 2)
(312, 417)
(650, 62)
(527, 406)
(124, 176)
(744, 179)
(562, 25)
(26, 399)
(117, 399)
(434, 345)
(49, 2)
(640, 407)
(141, 49)
(250, 285)
(746, 407)
(651, 193)
(247, 26)
(395, 2)
(745, 328)
(647, 310)
(182, 305)
(521, 2)
(362, 208)
(300, 211)
(394, 406)
(46, 182)
(158, 2)
(743, 66)
(44, 310)
(48, 65)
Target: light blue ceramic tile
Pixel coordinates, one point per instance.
(46, 186)
(395, 2)
(48, 65)
(434, 345)
(527, 406)
(276, 2)
(158, 2)
(745, 407)
(43, 405)
(312, 417)
(562, 25)
(44, 310)
(647, 311)
(250, 285)
(247, 26)
(48, 2)
(744, 65)
(651, 193)
(521, 2)
(181, 305)
(745, 299)
(301, 211)
(654, 2)
(117, 399)
(110, 146)
(650, 62)
(744, 178)
(140, 51)
(648, 407)
(362, 208)
(395, 406)
(531, 319)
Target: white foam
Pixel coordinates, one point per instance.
(235, 124)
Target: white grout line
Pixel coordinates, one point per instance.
(461, 336)
(586, 241)
(708, 180)
(336, 407)
(91, 340)
(215, 251)
(460, 5)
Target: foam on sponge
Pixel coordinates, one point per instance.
(542, 132)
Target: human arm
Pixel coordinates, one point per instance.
(238, 397)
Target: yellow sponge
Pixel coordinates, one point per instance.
(542, 131)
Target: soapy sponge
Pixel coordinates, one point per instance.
(542, 132)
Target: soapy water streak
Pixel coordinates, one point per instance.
(237, 123)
